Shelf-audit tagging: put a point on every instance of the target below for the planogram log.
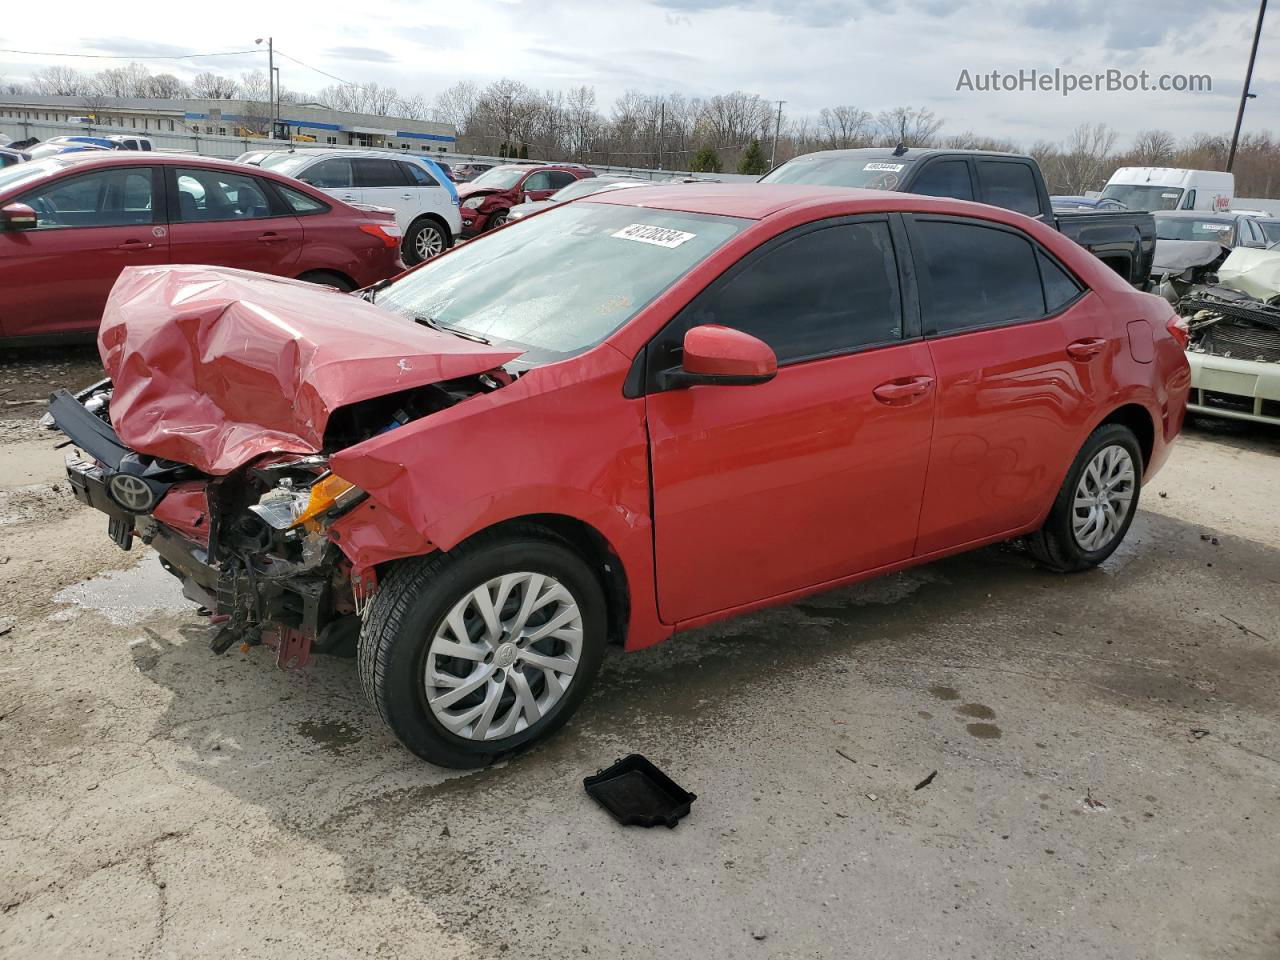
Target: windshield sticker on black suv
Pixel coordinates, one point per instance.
(658, 236)
(890, 167)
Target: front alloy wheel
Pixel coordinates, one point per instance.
(503, 656)
(473, 654)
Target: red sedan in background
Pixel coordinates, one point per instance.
(70, 224)
(488, 198)
(638, 413)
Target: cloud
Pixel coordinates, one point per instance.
(365, 54)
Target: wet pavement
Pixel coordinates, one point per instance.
(1106, 748)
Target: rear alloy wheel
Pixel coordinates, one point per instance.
(1095, 505)
(424, 241)
(475, 653)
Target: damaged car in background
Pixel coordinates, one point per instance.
(640, 412)
(1232, 315)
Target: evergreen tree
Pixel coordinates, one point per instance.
(502, 151)
(524, 151)
(753, 161)
(706, 160)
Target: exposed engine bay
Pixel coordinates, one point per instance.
(254, 547)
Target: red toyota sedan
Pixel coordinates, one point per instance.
(637, 414)
(69, 224)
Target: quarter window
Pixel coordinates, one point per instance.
(1060, 288)
(1009, 184)
(977, 276)
(417, 176)
(299, 202)
(111, 198)
(827, 291)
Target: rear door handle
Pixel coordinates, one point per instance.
(904, 390)
(347, 196)
(135, 245)
(1086, 349)
(270, 238)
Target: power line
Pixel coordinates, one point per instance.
(139, 56)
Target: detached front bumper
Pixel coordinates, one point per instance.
(1235, 389)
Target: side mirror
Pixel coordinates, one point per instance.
(17, 216)
(721, 356)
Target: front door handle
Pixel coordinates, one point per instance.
(135, 245)
(406, 196)
(904, 390)
(270, 237)
(348, 197)
(1086, 349)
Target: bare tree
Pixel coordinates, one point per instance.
(1086, 159)
(131, 81)
(457, 105)
(166, 86)
(59, 82)
(913, 126)
(843, 127)
(212, 86)
(1152, 148)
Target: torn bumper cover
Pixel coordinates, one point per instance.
(211, 440)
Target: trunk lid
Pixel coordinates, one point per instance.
(214, 367)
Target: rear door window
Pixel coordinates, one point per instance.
(975, 276)
(1009, 184)
(560, 178)
(120, 197)
(368, 172)
(207, 195)
(945, 178)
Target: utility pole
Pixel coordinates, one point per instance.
(777, 127)
(271, 82)
(662, 129)
(1245, 95)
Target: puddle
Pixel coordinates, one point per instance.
(126, 596)
(331, 736)
(945, 693)
(978, 711)
(984, 731)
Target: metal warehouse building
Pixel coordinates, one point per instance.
(31, 116)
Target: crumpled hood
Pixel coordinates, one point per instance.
(1175, 256)
(1255, 272)
(214, 367)
(466, 190)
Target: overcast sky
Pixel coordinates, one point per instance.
(872, 54)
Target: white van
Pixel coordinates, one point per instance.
(425, 202)
(1171, 188)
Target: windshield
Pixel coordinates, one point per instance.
(834, 170)
(21, 173)
(499, 178)
(1189, 228)
(1143, 196)
(564, 280)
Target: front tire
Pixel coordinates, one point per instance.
(473, 654)
(1096, 505)
(497, 219)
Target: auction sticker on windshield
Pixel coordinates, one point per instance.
(889, 167)
(658, 236)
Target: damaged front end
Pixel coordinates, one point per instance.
(1233, 329)
(217, 456)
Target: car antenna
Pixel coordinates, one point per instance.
(900, 149)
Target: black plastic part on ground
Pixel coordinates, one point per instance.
(636, 793)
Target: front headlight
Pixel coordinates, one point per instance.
(285, 506)
(474, 203)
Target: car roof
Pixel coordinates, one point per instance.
(1197, 215)
(751, 200)
(910, 153)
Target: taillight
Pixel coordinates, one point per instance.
(388, 233)
(1177, 326)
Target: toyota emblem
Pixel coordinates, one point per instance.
(131, 493)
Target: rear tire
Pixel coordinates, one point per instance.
(429, 634)
(425, 239)
(1096, 505)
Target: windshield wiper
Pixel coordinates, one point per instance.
(435, 324)
(369, 292)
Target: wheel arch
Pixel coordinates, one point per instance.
(1137, 418)
(439, 221)
(307, 275)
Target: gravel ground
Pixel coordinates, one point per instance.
(1107, 749)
